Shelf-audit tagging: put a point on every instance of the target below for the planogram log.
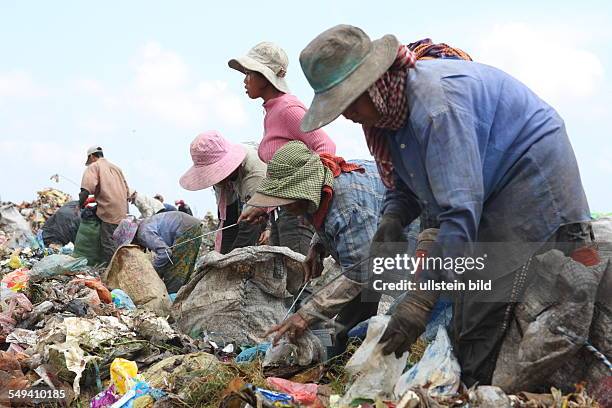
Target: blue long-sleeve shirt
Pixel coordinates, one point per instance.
(352, 218)
(484, 156)
(160, 231)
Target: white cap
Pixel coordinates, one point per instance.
(94, 149)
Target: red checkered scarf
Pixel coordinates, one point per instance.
(388, 94)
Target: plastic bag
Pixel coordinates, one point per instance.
(17, 227)
(14, 262)
(95, 283)
(375, 375)
(123, 374)
(121, 300)
(438, 370)
(54, 265)
(61, 227)
(87, 243)
(105, 398)
(251, 353)
(305, 394)
(16, 280)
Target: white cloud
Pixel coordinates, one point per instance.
(349, 138)
(19, 84)
(552, 61)
(164, 86)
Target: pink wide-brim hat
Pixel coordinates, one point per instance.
(214, 159)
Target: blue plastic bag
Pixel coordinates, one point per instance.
(252, 352)
(122, 300)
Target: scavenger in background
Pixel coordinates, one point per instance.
(473, 148)
(234, 171)
(105, 181)
(173, 236)
(146, 205)
(265, 68)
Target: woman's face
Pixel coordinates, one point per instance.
(254, 84)
(362, 111)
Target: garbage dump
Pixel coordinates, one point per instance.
(111, 337)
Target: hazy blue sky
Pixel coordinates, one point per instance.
(143, 78)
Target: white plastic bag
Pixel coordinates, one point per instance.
(375, 374)
(438, 370)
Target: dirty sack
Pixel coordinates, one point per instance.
(438, 371)
(237, 297)
(564, 306)
(373, 374)
(128, 270)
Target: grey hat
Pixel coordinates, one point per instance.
(341, 64)
(268, 59)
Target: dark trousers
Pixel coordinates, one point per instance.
(480, 325)
(353, 313)
(239, 236)
(107, 244)
(291, 231)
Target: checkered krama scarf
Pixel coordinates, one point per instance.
(388, 94)
(296, 173)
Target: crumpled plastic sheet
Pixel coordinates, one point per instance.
(77, 331)
(22, 337)
(438, 370)
(251, 353)
(56, 264)
(374, 374)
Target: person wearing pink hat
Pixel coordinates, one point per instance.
(265, 68)
(235, 172)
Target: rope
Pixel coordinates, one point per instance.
(578, 340)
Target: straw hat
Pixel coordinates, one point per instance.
(341, 64)
(268, 59)
(214, 159)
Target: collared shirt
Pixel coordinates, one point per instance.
(282, 124)
(250, 173)
(484, 156)
(147, 206)
(352, 219)
(160, 231)
(106, 181)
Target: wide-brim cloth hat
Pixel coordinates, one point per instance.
(341, 64)
(268, 59)
(294, 173)
(214, 159)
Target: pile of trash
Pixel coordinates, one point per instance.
(83, 335)
(40, 210)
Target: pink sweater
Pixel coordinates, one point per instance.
(282, 125)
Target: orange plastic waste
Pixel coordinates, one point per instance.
(95, 283)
